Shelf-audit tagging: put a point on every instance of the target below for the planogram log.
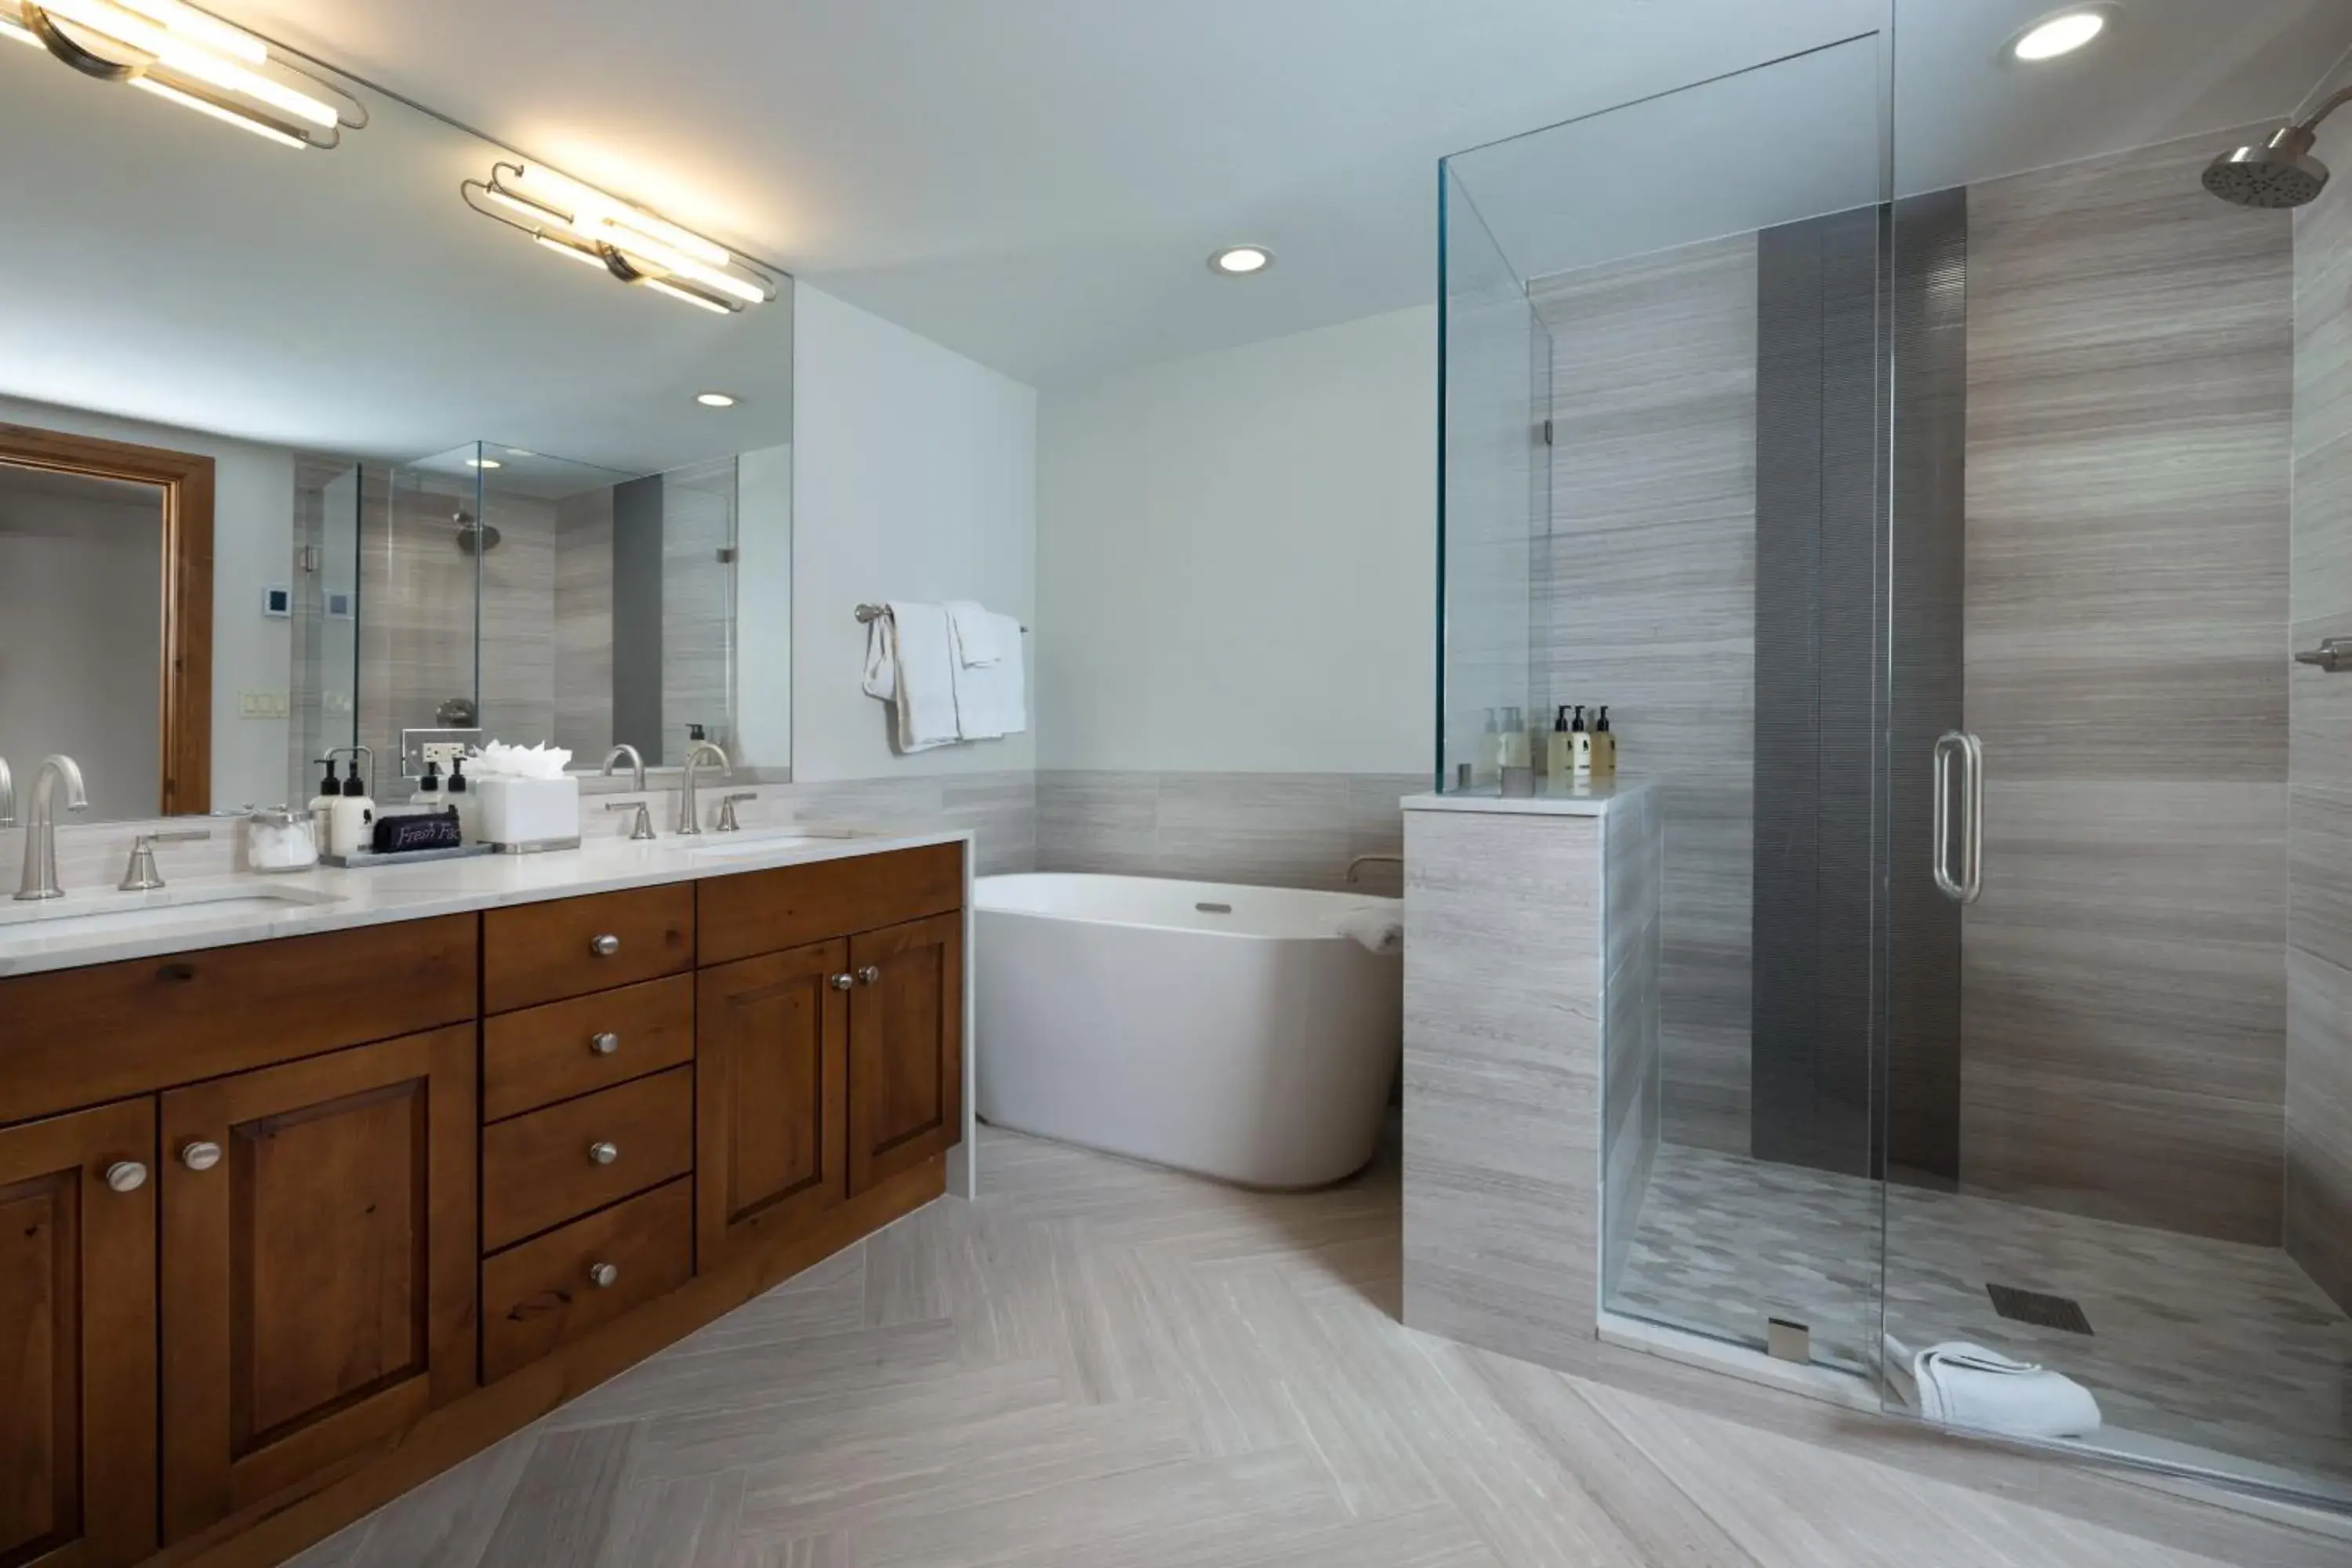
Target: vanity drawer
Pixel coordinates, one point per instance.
(565, 1049)
(793, 906)
(545, 953)
(540, 1169)
(547, 1292)
(79, 1036)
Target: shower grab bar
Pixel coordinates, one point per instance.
(1969, 886)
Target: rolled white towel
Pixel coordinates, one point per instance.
(1964, 1385)
(1379, 928)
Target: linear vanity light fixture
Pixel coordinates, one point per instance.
(584, 224)
(174, 51)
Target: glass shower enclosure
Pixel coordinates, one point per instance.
(1892, 513)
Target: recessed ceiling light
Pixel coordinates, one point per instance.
(484, 463)
(714, 400)
(2062, 33)
(1241, 260)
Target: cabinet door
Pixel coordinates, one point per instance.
(906, 1047)
(319, 1253)
(78, 1339)
(770, 1051)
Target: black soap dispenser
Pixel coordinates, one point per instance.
(1559, 750)
(1604, 749)
(1580, 740)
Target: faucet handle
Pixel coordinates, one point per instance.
(727, 823)
(140, 876)
(643, 827)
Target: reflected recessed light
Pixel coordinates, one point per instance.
(2062, 33)
(1241, 260)
(484, 463)
(519, 452)
(714, 400)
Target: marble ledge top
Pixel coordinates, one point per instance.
(1592, 800)
(222, 911)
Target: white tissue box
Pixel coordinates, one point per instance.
(528, 811)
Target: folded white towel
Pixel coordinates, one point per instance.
(1378, 927)
(991, 700)
(908, 664)
(1964, 1385)
(977, 645)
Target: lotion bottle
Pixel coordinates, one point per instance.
(1559, 750)
(1604, 748)
(331, 790)
(351, 823)
(462, 801)
(1580, 740)
(1515, 740)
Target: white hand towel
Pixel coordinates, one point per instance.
(1378, 927)
(908, 663)
(977, 645)
(992, 701)
(1964, 1385)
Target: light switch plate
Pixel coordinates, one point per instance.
(262, 705)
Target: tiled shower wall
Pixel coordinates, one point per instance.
(2130, 359)
(1649, 585)
(2319, 763)
(1272, 829)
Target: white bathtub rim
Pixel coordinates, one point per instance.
(1339, 906)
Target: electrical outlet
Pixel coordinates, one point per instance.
(261, 705)
(444, 752)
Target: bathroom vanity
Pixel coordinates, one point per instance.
(303, 1202)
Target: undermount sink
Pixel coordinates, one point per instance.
(765, 840)
(101, 915)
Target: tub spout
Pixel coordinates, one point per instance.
(1361, 861)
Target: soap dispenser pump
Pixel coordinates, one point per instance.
(461, 799)
(1604, 747)
(1581, 743)
(351, 824)
(331, 790)
(1559, 750)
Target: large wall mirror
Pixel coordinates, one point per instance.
(307, 448)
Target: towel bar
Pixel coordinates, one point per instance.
(875, 612)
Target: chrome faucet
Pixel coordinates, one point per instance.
(40, 880)
(140, 876)
(1363, 860)
(636, 761)
(690, 814)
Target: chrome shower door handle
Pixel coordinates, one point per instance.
(1967, 887)
(1972, 821)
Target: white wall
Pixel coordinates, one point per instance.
(763, 598)
(81, 668)
(1237, 558)
(914, 477)
(253, 546)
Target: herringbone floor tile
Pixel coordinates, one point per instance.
(1103, 1365)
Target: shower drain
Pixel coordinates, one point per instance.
(2043, 1311)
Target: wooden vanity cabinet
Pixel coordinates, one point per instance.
(318, 1264)
(771, 1125)
(906, 1046)
(78, 1339)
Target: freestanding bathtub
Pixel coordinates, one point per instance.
(1231, 1031)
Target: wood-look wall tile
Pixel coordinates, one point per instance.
(1502, 1079)
(2318, 1196)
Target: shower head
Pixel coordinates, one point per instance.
(2281, 172)
(474, 538)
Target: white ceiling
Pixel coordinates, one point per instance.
(1038, 183)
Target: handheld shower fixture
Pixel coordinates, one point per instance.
(2281, 173)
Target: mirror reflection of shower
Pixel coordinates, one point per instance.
(2281, 172)
(474, 538)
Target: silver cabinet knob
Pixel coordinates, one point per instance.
(870, 973)
(604, 946)
(604, 1043)
(126, 1175)
(843, 982)
(603, 1275)
(200, 1156)
(604, 1153)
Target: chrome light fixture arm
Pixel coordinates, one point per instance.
(633, 246)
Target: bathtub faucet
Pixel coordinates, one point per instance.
(1363, 861)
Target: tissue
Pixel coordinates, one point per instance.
(526, 796)
(499, 760)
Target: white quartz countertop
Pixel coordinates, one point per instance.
(1588, 800)
(95, 926)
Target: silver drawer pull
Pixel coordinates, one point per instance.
(844, 982)
(200, 1156)
(870, 973)
(603, 1275)
(604, 1153)
(604, 1043)
(604, 946)
(126, 1175)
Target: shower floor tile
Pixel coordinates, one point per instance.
(2224, 1346)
